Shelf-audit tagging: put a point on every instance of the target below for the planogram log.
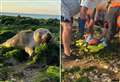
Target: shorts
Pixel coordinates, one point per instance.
(88, 3)
(65, 14)
(69, 8)
(63, 19)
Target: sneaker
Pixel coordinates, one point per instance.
(89, 38)
(104, 41)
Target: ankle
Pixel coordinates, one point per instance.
(67, 54)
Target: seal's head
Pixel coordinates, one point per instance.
(42, 35)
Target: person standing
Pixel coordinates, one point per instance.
(69, 8)
(112, 15)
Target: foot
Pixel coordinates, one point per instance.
(69, 57)
(89, 38)
(104, 41)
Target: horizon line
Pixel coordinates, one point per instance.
(30, 13)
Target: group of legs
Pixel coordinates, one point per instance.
(87, 20)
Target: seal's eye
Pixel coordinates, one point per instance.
(49, 37)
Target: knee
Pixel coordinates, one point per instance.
(67, 27)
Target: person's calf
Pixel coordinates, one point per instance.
(66, 38)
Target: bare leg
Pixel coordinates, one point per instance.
(66, 37)
(83, 13)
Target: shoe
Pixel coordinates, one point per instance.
(69, 58)
(93, 41)
(104, 41)
(89, 38)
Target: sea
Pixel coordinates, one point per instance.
(37, 16)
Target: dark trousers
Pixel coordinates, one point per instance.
(111, 18)
(81, 26)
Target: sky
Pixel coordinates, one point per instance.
(49, 7)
